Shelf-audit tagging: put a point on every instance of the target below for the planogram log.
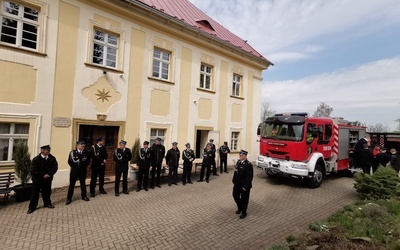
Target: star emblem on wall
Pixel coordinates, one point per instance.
(103, 95)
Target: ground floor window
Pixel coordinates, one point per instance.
(235, 141)
(156, 132)
(10, 135)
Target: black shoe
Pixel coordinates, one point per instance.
(49, 206)
(146, 189)
(30, 211)
(92, 195)
(116, 194)
(125, 192)
(174, 183)
(207, 181)
(169, 184)
(184, 183)
(216, 174)
(243, 215)
(138, 189)
(103, 192)
(85, 198)
(237, 212)
(200, 181)
(190, 182)
(68, 202)
(158, 186)
(152, 187)
(226, 172)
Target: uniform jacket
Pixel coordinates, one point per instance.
(144, 158)
(186, 156)
(243, 175)
(365, 156)
(99, 154)
(172, 157)
(158, 153)
(78, 162)
(208, 157)
(383, 159)
(40, 166)
(223, 152)
(122, 159)
(395, 161)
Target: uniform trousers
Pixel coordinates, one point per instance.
(241, 198)
(97, 171)
(172, 174)
(222, 165)
(203, 169)
(187, 173)
(72, 181)
(45, 187)
(156, 169)
(143, 177)
(214, 167)
(124, 181)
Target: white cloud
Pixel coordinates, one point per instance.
(369, 93)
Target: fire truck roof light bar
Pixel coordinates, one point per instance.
(293, 114)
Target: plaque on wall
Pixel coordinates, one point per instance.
(61, 121)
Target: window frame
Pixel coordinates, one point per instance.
(235, 139)
(160, 60)
(206, 74)
(106, 45)
(154, 137)
(12, 137)
(236, 85)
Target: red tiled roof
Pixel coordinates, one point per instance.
(187, 12)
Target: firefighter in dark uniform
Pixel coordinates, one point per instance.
(43, 168)
(144, 165)
(172, 159)
(78, 160)
(242, 178)
(98, 168)
(122, 157)
(214, 164)
(223, 157)
(158, 153)
(188, 158)
(208, 160)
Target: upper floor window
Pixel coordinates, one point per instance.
(19, 25)
(10, 135)
(236, 85)
(205, 76)
(105, 48)
(161, 64)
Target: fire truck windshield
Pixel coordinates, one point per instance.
(282, 131)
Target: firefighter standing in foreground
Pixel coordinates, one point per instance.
(242, 178)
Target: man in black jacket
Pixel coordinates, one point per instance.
(158, 153)
(188, 158)
(99, 154)
(223, 157)
(172, 159)
(144, 165)
(242, 178)
(78, 160)
(122, 157)
(214, 164)
(208, 160)
(383, 157)
(43, 168)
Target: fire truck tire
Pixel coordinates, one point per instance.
(318, 175)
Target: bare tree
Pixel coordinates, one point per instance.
(398, 125)
(266, 110)
(323, 110)
(379, 127)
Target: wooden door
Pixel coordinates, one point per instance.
(89, 134)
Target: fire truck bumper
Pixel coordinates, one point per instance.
(273, 166)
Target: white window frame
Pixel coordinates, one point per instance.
(206, 75)
(161, 62)
(157, 132)
(11, 137)
(106, 46)
(21, 21)
(235, 140)
(236, 84)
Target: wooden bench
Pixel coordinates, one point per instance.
(5, 181)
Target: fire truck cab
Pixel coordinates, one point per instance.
(299, 146)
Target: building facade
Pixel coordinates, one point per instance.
(75, 70)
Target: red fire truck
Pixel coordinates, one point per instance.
(307, 147)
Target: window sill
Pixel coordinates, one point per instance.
(160, 80)
(19, 49)
(104, 69)
(237, 97)
(206, 90)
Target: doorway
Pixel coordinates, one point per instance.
(89, 134)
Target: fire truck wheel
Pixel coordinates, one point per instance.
(317, 177)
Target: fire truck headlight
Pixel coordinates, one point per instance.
(299, 166)
(261, 159)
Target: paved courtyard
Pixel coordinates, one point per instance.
(198, 216)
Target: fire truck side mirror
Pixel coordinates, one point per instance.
(259, 129)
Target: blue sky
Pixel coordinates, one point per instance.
(345, 53)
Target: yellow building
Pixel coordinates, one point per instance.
(74, 70)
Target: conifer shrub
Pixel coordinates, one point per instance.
(135, 150)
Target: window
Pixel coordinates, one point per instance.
(236, 85)
(235, 141)
(328, 132)
(205, 76)
(161, 62)
(154, 133)
(19, 25)
(105, 49)
(10, 135)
